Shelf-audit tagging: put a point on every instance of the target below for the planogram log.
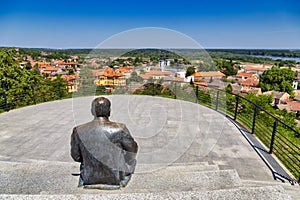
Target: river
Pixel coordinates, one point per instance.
(279, 58)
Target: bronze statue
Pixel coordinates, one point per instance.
(105, 149)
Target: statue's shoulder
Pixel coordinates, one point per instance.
(117, 125)
(87, 125)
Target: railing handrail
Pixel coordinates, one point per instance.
(261, 108)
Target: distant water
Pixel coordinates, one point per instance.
(279, 58)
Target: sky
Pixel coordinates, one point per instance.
(273, 24)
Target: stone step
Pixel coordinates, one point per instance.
(292, 190)
(140, 168)
(184, 181)
(33, 178)
(175, 167)
(57, 178)
(258, 193)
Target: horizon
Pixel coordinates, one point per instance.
(208, 48)
(213, 24)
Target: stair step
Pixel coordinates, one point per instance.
(258, 193)
(33, 178)
(174, 167)
(184, 181)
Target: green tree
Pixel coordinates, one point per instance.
(24, 87)
(189, 71)
(228, 88)
(277, 79)
(227, 67)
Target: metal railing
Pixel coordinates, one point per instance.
(278, 137)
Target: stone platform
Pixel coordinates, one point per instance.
(210, 157)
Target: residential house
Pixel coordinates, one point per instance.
(236, 88)
(198, 79)
(110, 77)
(181, 75)
(126, 71)
(278, 97)
(156, 75)
(44, 64)
(211, 78)
(72, 81)
(296, 82)
(255, 70)
(49, 70)
(294, 106)
(244, 75)
(212, 75)
(250, 85)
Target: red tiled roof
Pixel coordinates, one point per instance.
(197, 74)
(250, 82)
(155, 73)
(241, 74)
(202, 83)
(145, 76)
(255, 68)
(178, 79)
(50, 69)
(61, 62)
(295, 105)
(110, 72)
(125, 69)
(40, 64)
(159, 73)
(70, 77)
(209, 74)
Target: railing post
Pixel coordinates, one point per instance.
(217, 100)
(273, 136)
(254, 119)
(236, 106)
(197, 94)
(6, 107)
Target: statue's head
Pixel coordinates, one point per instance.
(101, 107)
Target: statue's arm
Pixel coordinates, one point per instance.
(75, 150)
(129, 145)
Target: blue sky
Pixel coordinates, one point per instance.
(214, 24)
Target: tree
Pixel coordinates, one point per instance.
(228, 88)
(227, 67)
(277, 79)
(154, 89)
(189, 71)
(24, 87)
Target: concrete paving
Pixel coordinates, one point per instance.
(166, 130)
(35, 147)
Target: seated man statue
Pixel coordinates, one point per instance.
(105, 149)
